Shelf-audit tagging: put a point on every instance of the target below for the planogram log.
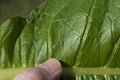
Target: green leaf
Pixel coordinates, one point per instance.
(9, 32)
(82, 34)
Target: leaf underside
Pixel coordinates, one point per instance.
(83, 34)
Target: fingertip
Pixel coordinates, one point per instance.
(53, 68)
(49, 70)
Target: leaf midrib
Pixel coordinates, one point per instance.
(91, 71)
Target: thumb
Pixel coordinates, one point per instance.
(50, 70)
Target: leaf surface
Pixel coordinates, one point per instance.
(9, 32)
(83, 34)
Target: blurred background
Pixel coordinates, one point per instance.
(9, 8)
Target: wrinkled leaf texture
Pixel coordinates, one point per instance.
(79, 33)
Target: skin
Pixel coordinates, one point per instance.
(50, 70)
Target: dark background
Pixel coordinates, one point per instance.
(9, 8)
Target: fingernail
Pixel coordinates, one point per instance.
(51, 66)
